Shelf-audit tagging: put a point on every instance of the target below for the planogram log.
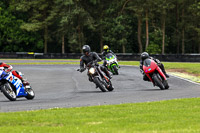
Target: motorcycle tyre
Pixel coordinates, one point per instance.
(158, 82)
(99, 84)
(166, 84)
(29, 95)
(4, 90)
(110, 88)
(115, 70)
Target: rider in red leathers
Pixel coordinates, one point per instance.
(7, 68)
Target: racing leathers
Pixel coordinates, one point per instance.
(158, 63)
(8, 68)
(104, 53)
(92, 56)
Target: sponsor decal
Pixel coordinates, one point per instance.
(11, 78)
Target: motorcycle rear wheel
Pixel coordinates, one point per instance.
(30, 94)
(8, 92)
(99, 84)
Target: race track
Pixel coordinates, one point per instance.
(62, 86)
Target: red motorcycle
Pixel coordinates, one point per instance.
(155, 74)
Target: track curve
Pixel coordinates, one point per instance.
(63, 86)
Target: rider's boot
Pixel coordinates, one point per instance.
(25, 82)
(166, 75)
(163, 69)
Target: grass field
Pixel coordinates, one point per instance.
(172, 116)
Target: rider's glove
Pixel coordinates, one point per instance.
(9, 69)
(142, 71)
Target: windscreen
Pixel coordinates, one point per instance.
(109, 55)
(147, 62)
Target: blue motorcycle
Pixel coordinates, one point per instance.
(13, 88)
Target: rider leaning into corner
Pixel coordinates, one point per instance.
(8, 68)
(106, 50)
(144, 56)
(89, 57)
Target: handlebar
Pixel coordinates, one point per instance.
(92, 63)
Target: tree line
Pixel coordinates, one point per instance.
(127, 26)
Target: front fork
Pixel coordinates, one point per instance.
(150, 79)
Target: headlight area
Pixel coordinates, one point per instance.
(92, 70)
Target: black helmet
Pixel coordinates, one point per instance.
(144, 55)
(86, 48)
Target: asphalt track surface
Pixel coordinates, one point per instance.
(62, 86)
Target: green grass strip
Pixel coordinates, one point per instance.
(193, 68)
(43, 63)
(177, 116)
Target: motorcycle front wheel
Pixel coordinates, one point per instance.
(99, 84)
(8, 92)
(110, 88)
(115, 69)
(158, 81)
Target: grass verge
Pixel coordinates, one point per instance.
(177, 116)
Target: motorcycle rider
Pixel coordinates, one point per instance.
(88, 57)
(106, 50)
(7, 68)
(144, 56)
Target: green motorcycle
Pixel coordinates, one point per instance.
(112, 63)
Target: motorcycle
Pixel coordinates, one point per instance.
(98, 77)
(112, 63)
(155, 74)
(13, 88)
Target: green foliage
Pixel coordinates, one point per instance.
(177, 116)
(154, 49)
(96, 22)
(12, 37)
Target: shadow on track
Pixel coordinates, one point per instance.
(150, 90)
(90, 92)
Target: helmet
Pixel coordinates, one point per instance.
(86, 48)
(144, 55)
(105, 47)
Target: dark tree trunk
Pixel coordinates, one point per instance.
(183, 33)
(183, 41)
(101, 40)
(163, 35)
(63, 44)
(199, 47)
(177, 30)
(123, 48)
(147, 30)
(139, 34)
(45, 38)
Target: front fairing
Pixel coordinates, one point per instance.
(149, 66)
(3, 74)
(17, 83)
(110, 60)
